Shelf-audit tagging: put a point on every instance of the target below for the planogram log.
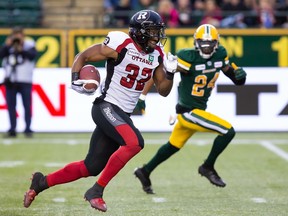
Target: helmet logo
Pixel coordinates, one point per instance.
(142, 16)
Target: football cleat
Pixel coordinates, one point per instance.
(99, 204)
(211, 175)
(29, 196)
(38, 184)
(144, 179)
(94, 196)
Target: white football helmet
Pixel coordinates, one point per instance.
(206, 40)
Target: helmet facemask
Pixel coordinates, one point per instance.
(147, 26)
(206, 47)
(206, 40)
(150, 32)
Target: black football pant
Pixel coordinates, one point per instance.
(107, 137)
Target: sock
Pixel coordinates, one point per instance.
(164, 152)
(94, 192)
(220, 143)
(41, 184)
(69, 173)
(116, 162)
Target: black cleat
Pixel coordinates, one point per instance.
(211, 175)
(38, 184)
(144, 179)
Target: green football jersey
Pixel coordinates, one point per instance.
(195, 87)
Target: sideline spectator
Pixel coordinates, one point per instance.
(168, 13)
(282, 14)
(266, 14)
(250, 18)
(233, 12)
(185, 11)
(212, 13)
(18, 56)
(146, 4)
(121, 13)
(110, 6)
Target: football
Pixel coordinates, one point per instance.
(90, 72)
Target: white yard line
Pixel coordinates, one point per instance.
(259, 200)
(11, 164)
(269, 145)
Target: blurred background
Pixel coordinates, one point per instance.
(91, 14)
(254, 32)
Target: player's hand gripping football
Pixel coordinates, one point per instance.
(78, 86)
(170, 63)
(239, 72)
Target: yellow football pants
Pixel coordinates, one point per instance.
(196, 121)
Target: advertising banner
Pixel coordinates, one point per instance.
(260, 105)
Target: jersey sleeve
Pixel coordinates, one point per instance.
(162, 54)
(115, 39)
(183, 59)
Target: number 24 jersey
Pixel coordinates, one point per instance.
(195, 86)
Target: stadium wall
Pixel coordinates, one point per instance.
(247, 47)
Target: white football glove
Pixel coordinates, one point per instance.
(78, 86)
(170, 63)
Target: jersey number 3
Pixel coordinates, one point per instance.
(130, 79)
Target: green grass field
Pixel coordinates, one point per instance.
(254, 166)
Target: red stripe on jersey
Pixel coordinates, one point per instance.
(128, 135)
(160, 51)
(123, 45)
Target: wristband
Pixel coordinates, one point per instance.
(142, 97)
(169, 75)
(75, 76)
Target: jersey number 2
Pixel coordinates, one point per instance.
(130, 79)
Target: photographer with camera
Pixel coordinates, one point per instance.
(18, 61)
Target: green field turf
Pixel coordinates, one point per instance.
(254, 166)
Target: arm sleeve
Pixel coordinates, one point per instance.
(182, 56)
(116, 40)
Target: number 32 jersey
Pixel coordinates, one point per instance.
(126, 76)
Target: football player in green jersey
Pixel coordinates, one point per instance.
(200, 67)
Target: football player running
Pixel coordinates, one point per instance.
(131, 60)
(200, 68)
